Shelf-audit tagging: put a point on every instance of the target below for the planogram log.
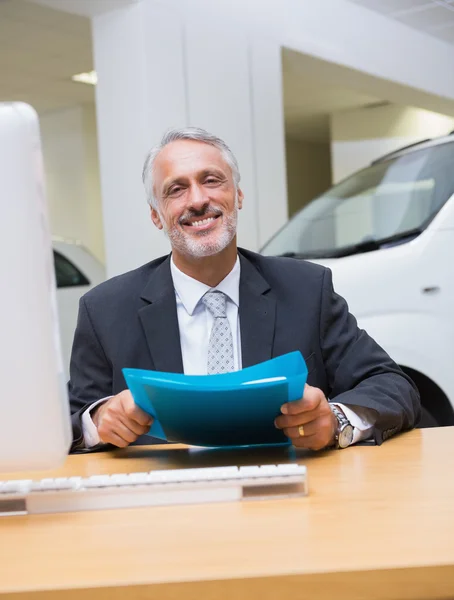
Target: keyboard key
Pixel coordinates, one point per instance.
(18, 486)
(250, 472)
(291, 469)
(120, 479)
(75, 482)
(140, 478)
(269, 470)
(63, 483)
(98, 481)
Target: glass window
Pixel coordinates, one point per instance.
(396, 198)
(66, 273)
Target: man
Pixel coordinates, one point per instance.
(168, 315)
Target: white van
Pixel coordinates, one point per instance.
(387, 234)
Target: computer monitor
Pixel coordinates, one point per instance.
(35, 431)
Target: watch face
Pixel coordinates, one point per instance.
(346, 436)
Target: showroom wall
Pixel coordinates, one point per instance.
(308, 171)
(69, 140)
(225, 74)
(226, 69)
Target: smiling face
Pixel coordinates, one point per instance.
(197, 202)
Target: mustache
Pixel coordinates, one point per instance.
(205, 211)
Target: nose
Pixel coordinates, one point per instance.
(197, 199)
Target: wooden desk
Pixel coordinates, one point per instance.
(379, 523)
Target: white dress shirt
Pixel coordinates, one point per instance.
(195, 322)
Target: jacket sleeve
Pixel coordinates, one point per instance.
(360, 372)
(90, 372)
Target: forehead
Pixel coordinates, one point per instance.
(187, 157)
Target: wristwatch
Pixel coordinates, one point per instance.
(343, 436)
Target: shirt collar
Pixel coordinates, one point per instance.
(190, 291)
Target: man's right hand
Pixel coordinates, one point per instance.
(120, 421)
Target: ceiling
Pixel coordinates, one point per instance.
(40, 49)
(435, 17)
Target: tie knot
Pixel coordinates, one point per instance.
(216, 303)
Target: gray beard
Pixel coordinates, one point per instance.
(188, 245)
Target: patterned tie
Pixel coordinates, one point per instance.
(220, 346)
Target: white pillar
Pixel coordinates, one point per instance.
(159, 68)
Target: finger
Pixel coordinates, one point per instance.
(134, 412)
(308, 430)
(106, 431)
(295, 420)
(133, 425)
(111, 437)
(307, 442)
(316, 435)
(125, 432)
(310, 400)
(312, 442)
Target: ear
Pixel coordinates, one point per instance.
(155, 217)
(240, 198)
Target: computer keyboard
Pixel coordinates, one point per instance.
(155, 488)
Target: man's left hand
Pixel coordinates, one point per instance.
(308, 422)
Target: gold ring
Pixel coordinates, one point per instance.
(301, 430)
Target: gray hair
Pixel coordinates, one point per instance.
(186, 133)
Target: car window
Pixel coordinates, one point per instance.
(66, 273)
(388, 199)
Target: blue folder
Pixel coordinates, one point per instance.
(230, 409)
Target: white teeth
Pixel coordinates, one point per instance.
(202, 222)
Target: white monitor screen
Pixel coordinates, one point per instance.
(35, 430)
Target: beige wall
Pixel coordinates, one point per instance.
(308, 172)
(360, 136)
(71, 166)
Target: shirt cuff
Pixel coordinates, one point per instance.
(362, 419)
(90, 433)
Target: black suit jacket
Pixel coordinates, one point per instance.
(285, 305)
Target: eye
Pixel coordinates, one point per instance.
(211, 180)
(174, 190)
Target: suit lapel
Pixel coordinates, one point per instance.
(160, 321)
(257, 312)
